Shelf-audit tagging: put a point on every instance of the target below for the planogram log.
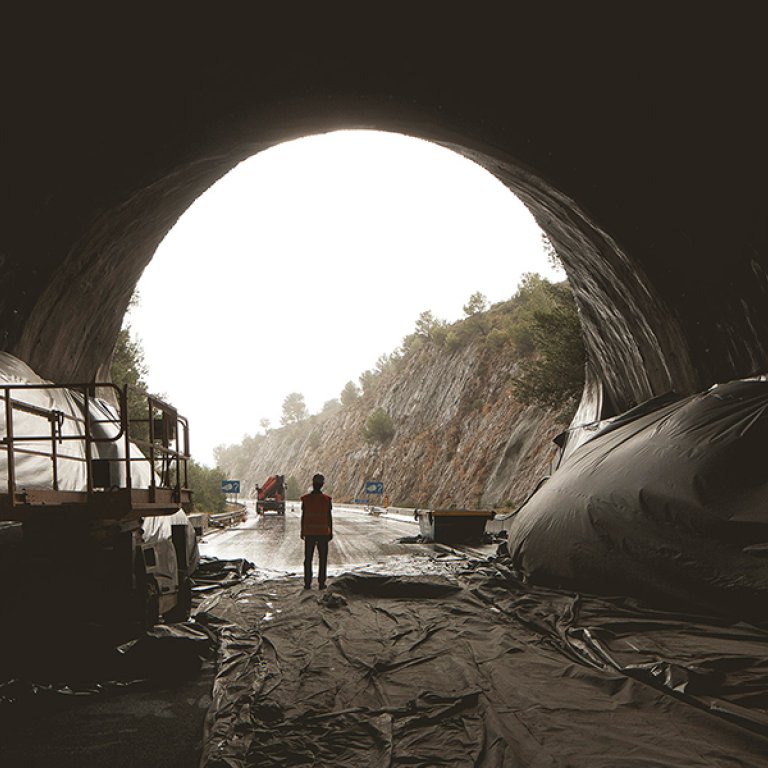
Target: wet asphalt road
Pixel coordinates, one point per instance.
(272, 542)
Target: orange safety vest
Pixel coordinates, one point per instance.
(316, 515)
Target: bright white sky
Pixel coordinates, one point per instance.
(308, 261)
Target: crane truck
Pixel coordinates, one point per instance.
(270, 497)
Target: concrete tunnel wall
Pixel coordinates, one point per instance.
(639, 147)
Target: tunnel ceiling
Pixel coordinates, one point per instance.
(639, 143)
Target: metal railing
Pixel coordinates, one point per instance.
(82, 433)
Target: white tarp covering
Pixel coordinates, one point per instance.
(157, 534)
(36, 471)
(105, 424)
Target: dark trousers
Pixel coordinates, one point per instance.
(310, 542)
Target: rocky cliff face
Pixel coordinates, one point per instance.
(461, 439)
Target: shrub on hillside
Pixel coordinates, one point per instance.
(379, 427)
(452, 341)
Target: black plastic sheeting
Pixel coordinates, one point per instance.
(213, 573)
(668, 502)
(477, 668)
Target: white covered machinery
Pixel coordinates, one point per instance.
(100, 495)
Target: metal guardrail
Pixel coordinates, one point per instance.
(227, 518)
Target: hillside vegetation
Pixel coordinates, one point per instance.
(462, 414)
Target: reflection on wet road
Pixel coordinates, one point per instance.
(272, 542)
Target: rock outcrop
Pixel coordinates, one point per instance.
(460, 436)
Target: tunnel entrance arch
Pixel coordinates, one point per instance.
(644, 165)
(638, 141)
(627, 328)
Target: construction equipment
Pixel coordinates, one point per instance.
(270, 497)
(99, 495)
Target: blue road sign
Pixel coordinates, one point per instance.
(230, 486)
(374, 488)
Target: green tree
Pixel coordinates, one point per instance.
(387, 362)
(452, 341)
(427, 325)
(379, 427)
(496, 339)
(293, 489)
(424, 323)
(477, 303)
(475, 323)
(128, 367)
(411, 343)
(294, 409)
(534, 295)
(205, 484)
(349, 394)
(367, 382)
(554, 375)
(330, 406)
(440, 334)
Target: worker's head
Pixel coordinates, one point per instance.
(317, 481)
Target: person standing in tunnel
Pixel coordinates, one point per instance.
(316, 530)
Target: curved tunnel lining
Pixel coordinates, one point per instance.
(628, 331)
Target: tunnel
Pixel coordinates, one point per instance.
(637, 144)
(636, 136)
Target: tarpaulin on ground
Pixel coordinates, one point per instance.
(213, 573)
(477, 669)
(668, 503)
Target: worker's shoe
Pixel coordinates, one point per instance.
(321, 586)
(307, 586)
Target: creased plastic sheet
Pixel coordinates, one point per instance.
(213, 573)
(477, 668)
(668, 502)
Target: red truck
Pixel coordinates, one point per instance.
(271, 495)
